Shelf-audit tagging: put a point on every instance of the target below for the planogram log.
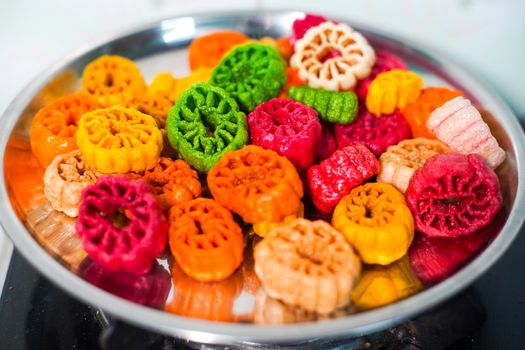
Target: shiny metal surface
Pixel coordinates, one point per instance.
(160, 47)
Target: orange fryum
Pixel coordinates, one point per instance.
(54, 126)
(211, 301)
(292, 79)
(208, 50)
(264, 227)
(174, 181)
(184, 83)
(155, 105)
(205, 240)
(113, 80)
(417, 112)
(284, 47)
(162, 84)
(256, 183)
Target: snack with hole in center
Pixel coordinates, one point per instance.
(154, 105)
(121, 224)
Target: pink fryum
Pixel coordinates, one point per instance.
(301, 26)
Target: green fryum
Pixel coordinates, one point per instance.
(332, 106)
(205, 123)
(252, 74)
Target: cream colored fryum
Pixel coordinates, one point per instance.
(307, 264)
(64, 180)
(459, 125)
(398, 163)
(337, 72)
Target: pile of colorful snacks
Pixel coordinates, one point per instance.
(258, 134)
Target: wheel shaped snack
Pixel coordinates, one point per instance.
(301, 26)
(121, 224)
(205, 240)
(317, 64)
(119, 140)
(155, 105)
(307, 264)
(54, 126)
(375, 219)
(112, 80)
(204, 124)
(392, 90)
(252, 73)
(453, 195)
(398, 163)
(257, 184)
(459, 125)
(64, 180)
(209, 49)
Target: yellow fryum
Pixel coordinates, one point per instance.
(264, 227)
(392, 90)
(119, 140)
(382, 285)
(375, 219)
(182, 84)
(162, 84)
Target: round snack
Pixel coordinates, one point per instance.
(332, 56)
(121, 224)
(162, 84)
(301, 26)
(385, 62)
(332, 106)
(375, 219)
(264, 227)
(202, 74)
(209, 49)
(335, 176)
(375, 133)
(119, 140)
(174, 181)
(205, 240)
(156, 106)
(112, 80)
(204, 124)
(251, 74)
(257, 184)
(392, 90)
(287, 127)
(64, 180)
(398, 163)
(54, 126)
(459, 124)
(418, 112)
(453, 195)
(307, 264)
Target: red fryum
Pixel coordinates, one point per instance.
(335, 176)
(327, 146)
(375, 133)
(150, 289)
(121, 224)
(453, 195)
(287, 127)
(301, 26)
(384, 62)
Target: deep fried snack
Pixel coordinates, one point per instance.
(209, 49)
(155, 105)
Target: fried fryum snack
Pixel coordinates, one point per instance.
(392, 90)
(205, 240)
(155, 105)
(307, 264)
(119, 140)
(204, 124)
(382, 285)
(264, 227)
(64, 180)
(121, 224)
(398, 163)
(112, 80)
(162, 84)
(209, 49)
(202, 74)
(332, 56)
(332, 106)
(54, 126)
(335, 176)
(257, 184)
(418, 112)
(290, 128)
(174, 181)
(252, 73)
(301, 26)
(453, 195)
(375, 219)
(459, 125)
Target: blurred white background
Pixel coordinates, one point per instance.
(485, 35)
